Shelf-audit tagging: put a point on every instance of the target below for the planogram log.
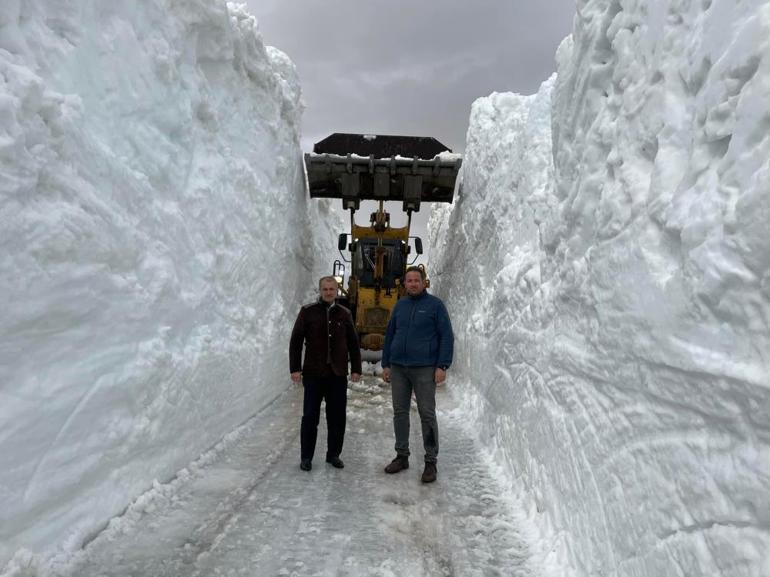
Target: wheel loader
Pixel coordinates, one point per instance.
(380, 168)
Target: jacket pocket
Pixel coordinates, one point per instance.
(423, 353)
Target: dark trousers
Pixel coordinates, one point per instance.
(334, 390)
(403, 381)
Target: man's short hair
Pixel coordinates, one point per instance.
(324, 279)
(418, 269)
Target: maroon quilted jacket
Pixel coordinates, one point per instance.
(329, 337)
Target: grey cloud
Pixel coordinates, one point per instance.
(407, 67)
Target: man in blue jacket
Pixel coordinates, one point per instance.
(417, 353)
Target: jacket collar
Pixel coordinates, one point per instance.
(419, 296)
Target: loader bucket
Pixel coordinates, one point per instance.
(355, 167)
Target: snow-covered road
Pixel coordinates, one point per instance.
(245, 508)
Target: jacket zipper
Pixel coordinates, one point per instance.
(329, 335)
(409, 328)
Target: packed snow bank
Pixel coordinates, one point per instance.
(610, 288)
(148, 151)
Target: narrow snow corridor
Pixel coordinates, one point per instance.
(245, 508)
(604, 263)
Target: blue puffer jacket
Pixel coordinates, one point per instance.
(419, 333)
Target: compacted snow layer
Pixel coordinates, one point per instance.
(155, 249)
(606, 268)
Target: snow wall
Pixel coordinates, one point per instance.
(151, 191)
(607, 270)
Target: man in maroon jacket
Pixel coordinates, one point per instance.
(329, 335)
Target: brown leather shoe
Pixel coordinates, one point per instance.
(429, 474)
(398, 464)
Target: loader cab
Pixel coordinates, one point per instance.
(365, 256)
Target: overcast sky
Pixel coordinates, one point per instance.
(411, 66)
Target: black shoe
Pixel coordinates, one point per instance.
(335, 462)
(305, 464)
(429, 474)
(398, 464)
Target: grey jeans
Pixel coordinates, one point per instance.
(404, 380)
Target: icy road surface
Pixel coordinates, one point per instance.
(245, 508)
